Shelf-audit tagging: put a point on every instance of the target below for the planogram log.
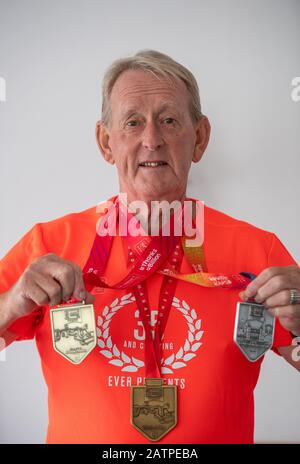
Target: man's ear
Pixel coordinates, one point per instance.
(202, 138)
(102, 139)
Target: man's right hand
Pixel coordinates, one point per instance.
(48, 280)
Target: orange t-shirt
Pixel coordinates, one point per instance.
(90, 402)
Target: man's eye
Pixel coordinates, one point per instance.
(132, 123)
(169, 121)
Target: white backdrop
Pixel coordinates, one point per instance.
(244, 55)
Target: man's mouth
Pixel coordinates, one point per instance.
(152, 164)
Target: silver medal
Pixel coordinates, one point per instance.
(253, 330)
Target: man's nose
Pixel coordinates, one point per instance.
(152, 137)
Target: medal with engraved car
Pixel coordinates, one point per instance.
(73, 331)
(154, 408)
(254, 330)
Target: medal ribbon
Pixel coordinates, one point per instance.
(145, 256)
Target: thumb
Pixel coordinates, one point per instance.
(90, 298)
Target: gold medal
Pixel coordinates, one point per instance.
(73, 331)
(154, 408)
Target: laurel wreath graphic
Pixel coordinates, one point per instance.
(132, 364)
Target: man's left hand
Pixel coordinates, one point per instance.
(272, 288)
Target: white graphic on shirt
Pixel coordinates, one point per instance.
(131, 364)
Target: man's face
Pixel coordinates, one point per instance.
(150, 123)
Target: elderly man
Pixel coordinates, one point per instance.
(140, 338)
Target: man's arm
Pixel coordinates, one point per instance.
(6, 320)
(48, 280)
(6, 339)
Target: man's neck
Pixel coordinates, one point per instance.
(148, 211)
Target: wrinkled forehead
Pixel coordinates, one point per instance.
(137, 87)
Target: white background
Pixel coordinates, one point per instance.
(244, 55)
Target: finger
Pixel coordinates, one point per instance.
(51, 287)
(55, 291)
(79, 291)
(278, 299)
(275, 285)
(290, 311)
(63, 273)
(67, 273)
(290, 323)
(266, 275)
(260, 280)
(37, 295)
(90, 298)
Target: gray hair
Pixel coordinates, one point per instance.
(158, 64)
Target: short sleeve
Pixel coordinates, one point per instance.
(279, 256)
(12, 265)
